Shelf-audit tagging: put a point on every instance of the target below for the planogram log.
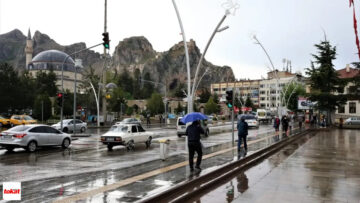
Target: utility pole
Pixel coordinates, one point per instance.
(232, 117)
(104, 75)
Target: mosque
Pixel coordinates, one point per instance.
(53, 60)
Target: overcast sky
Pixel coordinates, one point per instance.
(287, 28)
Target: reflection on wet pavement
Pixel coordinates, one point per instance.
(323, 168)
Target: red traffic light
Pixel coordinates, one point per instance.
(59, 95)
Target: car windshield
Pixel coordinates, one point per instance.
(118, 128)
(180, 123)
(28, 118)
(19, 128)
(261, 113)
(2, 117)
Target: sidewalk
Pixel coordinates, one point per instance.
(323, 168)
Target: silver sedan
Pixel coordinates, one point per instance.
(68, 126)
(30, 137)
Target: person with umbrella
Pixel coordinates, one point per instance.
(193, 132)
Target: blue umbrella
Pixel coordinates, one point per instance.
(191, 117)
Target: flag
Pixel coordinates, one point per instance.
(355, 27)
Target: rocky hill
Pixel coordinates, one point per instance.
(129, 54)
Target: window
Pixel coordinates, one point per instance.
(133, 129)
(262, 86)
(140, 128)
(352, 107)
(40, 129)
(262, 92)
(78, 121)
(51, 130)
(341, 109)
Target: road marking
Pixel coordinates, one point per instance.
(133, 179)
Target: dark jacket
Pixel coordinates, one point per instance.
(193, 132)
(242, 127)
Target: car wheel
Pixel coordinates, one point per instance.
(148, 142)
(31, 147)
(110, 147)
(130, 145)
(65, 130)
(66, 143)
(9, 149)
(82, 129)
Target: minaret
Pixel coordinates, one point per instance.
(28, 49)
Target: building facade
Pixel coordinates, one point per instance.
(352, 107)
(244, 88)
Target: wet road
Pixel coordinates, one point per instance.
(88, 155)
(320, 168)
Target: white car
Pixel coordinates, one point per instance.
(250, 120)
(352, 121)
(129, 121)
(127, 135)
(68, 126)
(181, 127)
(30, 137)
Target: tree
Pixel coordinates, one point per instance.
(125, 82)
(216, 98)
(238, 102)
(118, 97)
(179, 109)
(291, 96)
(324, 80)
(248, 102)
(204, 96)
(179, 91)
(211, 107)
(42, 107)
(10, 98)
(137, 84)
(45, 83)
(155, 104)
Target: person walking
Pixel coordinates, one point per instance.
(300, 118)
(193, 132)
(160, 119)
(148, 120)
(285, 124)
(276, 124)
(242, 128)
(291, 122)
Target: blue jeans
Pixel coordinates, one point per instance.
(242, 137)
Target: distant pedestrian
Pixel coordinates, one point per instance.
(300, 118)
(291, 122)
(341, 123)
(276, 124)
(285, 124)
(160, 119)
(242, 128)
(193, 132)
(148, 120)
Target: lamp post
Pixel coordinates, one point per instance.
(62, 80)
(78, 63)
(97, 104)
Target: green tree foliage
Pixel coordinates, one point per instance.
(238, 102)
(10, 98)
(291, 96)
(45, 83)
(155, 104)
(211, 106)
(248, 102)
(118, 97)
(204, 96)
(42, 106)
(179, 109)
(179, 91)
(216, 98)
(324, 79)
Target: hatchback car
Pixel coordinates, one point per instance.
(250, 120)
(21, 120)
(4, 121)
(352, 121)
(127, 135)
(68, 126)
(30, 137)
(181, 127)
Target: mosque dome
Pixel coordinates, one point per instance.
(52, 59)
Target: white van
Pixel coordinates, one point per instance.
(181, 127)
(263, 115)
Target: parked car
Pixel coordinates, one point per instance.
(128, 121)
(4, 121)
(21, 120)
(68, 126)
(181, 127)
(30, 137)
(127, 135)
(352, 121)
(250, 120)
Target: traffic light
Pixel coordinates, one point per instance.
(229, 98)
(106, 40)
(59, 98)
